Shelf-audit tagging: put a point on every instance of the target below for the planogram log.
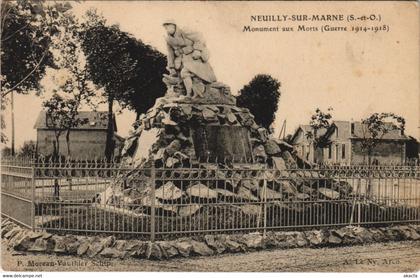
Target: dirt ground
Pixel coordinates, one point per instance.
(384, 257)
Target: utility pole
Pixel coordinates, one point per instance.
(13, 122)
(283, 130)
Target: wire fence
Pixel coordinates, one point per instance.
(200, 198)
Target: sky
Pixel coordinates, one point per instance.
(355, 73)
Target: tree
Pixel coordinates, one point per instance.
(61, 116)
(261, 97)
(129, 71)
(6, 151)
(72, 85)
(319, 120)
(28, 149)
(375, 127)
(26, 31)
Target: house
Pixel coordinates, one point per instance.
(86, 141)
(303, 144)
(342, 144)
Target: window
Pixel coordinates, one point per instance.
(303, 150)
(329, 152)
(336, 131)
(343, 151)
(352, 128)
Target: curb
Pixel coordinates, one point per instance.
(22, 239)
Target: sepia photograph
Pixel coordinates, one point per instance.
(216, 137)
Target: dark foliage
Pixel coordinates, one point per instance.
(129, 70)
(261, 97)
(27, 28)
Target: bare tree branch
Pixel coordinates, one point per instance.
(4, 94)
(11, 35)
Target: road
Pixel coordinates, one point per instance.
(384, 257)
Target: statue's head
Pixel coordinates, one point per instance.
(170, 26)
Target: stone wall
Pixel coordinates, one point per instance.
(24, 240)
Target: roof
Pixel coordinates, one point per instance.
(360, 131)
(320, 132)
(96, 120)
(307, 128)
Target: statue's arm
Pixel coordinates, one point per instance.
(171, 56)
(197, 39)
(199, 45)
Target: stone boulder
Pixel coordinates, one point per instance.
(72, 244)
(253, 241)
(14, 231)
(315, 238)
(301, 239)
(272, 148)
(184, 247)
(270, 194)
(246, 194)
(168, 191)
(6, 229)
(250, 184)
(188, 210)
(232, 245)
(409, 233)
(22, 243)
(94, 249)
(251, 209)
(201, 191)
(168, 249)
(42, 245)
(279, 163)
(217, 242)
(200, 248)
(333, 239)
(60, 245)
(329, 193)
(83, 247)
(109, 252)
(153, 251)
(135, 248)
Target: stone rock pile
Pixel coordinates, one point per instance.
(20, 239)
(170, 136)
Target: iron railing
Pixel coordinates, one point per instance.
(201, 198)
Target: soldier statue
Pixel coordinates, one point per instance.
(187, 61)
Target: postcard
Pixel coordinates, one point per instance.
(210, 136)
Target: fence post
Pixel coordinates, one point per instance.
(265, 207)
(33, 207)
(355, 202)
(152, 193)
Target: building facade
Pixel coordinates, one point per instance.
(86, 141)
(342, 144)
